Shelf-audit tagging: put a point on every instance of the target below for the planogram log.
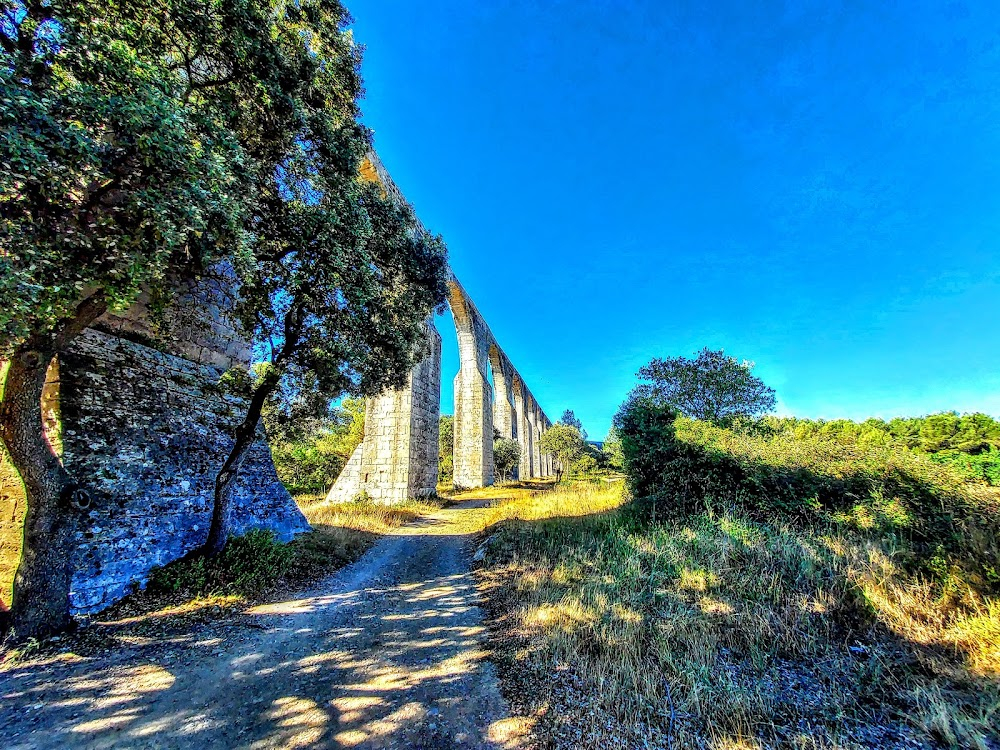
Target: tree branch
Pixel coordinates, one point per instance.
(88, 311)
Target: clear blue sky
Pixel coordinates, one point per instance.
(814, 186)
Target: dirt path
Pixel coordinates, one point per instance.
(387, 653)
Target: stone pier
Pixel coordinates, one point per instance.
(398, 458)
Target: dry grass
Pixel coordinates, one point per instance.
(363, 516)
(714, 631)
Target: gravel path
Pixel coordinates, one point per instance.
(387, 653)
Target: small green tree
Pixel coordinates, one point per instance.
(713, 387)
(564, 442)
(339, 287)
(569, 418)
(446, 447)
(506, 457)
(613, 449)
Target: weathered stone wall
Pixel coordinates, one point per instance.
(145, 428)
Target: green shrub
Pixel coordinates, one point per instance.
(679, 466)
(307, 466)
(248, 566)
(983, 468)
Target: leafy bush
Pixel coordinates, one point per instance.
(680, 466)
(308, 465)
(248, 566)
(983, 467)
(506, 456)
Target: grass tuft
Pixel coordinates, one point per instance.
(720, 629)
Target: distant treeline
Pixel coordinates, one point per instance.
(969, 443)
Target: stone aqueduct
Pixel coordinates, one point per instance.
(398, 458)
(134, 410)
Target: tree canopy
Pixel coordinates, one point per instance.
(712, 386)
(564, 442)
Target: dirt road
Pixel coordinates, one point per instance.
(387, 653)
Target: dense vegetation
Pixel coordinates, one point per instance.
(969, 443)
(310, 451)
(446, 448)
(151, 142)
(765, 582)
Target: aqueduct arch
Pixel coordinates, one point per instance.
(398, 458)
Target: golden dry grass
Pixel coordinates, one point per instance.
(362, 516)
(715, 631)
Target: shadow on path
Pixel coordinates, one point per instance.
(388, 652)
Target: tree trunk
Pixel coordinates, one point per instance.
(246, 433)
(42, 581)
(44, 573)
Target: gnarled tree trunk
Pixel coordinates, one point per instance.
(246, 433)
(42, 582)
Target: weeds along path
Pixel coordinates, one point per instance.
(386, 653)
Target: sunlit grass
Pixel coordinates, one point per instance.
(362, 516)
(724, 632)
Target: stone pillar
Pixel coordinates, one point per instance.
(398, 458)
(503, 408)
(523, 433)
(546, 457)
(536, 468)
(473, 397)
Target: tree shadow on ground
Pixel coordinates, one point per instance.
(385, 655)
(846, 684)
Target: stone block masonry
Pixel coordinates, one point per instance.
(398, 458)
(142, 424)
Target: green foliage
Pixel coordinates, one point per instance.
(248, 566)
(564, 442)
(506, 456)
(90, 114)
(570, 419)
(713, 387)
(685, 466)
(585, 464)
(446, 447)
(613, 450)
(981, 467)
(309, 453)
(133, 135)
(646, 431)
(968, 442)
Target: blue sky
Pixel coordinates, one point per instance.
(814, 186)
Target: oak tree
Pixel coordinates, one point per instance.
(712, 386)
